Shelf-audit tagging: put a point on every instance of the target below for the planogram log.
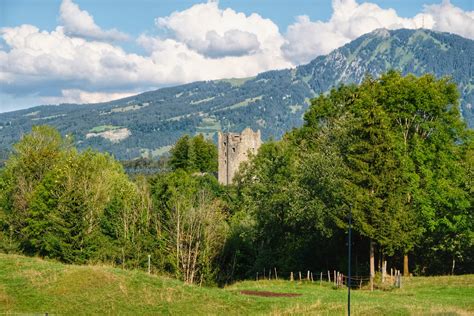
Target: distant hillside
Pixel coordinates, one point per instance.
(148, 123)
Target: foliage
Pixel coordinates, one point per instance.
(75, 207)
(193, 225)
(81, 207)
(28, 165)
(393, 149)
(194, 154)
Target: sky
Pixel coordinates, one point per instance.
(85, 51)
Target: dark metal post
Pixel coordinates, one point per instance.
(349, 265)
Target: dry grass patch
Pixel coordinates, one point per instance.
(39, 278)
(448, 311)
(79, 280)
(5, 299)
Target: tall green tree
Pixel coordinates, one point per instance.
(358, 130)
(194, 154)
(399, 139)
(32, 158)
(193, 224)
(425, 117)
(75, 207)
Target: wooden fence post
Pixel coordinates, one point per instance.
(329, 277)
(299, 274)
(291, 276)
(321, 279)
(276, 275)
(149, 264)
(384, 271)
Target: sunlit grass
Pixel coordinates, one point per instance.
(30, 285)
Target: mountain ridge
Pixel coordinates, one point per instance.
(274, 101)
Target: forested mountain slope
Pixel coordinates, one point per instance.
(274, 101)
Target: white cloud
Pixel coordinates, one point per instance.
(178, 63)
(229, 44)
(306, 39)
(224, 33)
(232, 43)
(77, 63)
(80, 96)
(448, 18)
(61, 67)
(80, 23)
(44, 63)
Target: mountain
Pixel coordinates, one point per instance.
(274, 101)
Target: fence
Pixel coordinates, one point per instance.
(335, 277)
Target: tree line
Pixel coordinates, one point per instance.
(393, 150)
(396, 152)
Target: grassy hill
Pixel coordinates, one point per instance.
(274, 101)
(31, 285)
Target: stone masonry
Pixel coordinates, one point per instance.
(234, 149)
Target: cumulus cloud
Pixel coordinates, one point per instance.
(40, 60)
(60, 66)
(80, 96)
(306, 39)
(79, 22)
(229, 44)
(224, 33)
(232, 43)
(78, 62)
(445, 17)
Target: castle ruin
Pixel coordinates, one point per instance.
(234, 149)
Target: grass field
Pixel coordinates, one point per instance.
(30, 285)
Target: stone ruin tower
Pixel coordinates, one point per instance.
(234, 149)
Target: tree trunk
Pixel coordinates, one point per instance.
(453, 266)
(372, 265)
(405, 265)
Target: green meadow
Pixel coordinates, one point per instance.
(31, 285)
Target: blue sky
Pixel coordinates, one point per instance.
(54, 51)
(136, 16)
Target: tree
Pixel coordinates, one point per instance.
(360, 131)
(425, 117)
(194, 154)
(32, 158)
(180, 154)
(264, 187)
(77, 207)
(398, 138)
(193, 225)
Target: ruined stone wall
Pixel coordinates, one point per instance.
(234, 149)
